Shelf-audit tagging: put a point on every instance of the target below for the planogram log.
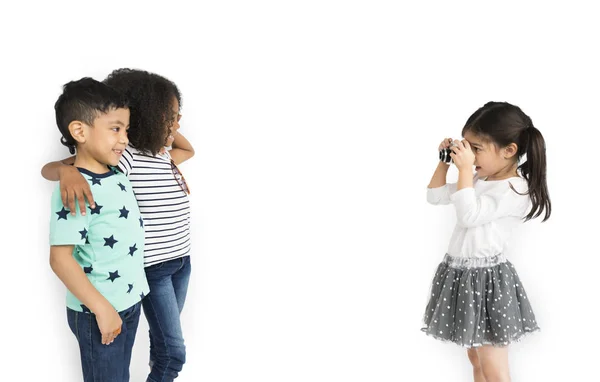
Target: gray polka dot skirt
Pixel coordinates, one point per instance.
(478, 301)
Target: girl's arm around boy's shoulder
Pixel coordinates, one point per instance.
(72, 184)
(52, 170)
(181, 150)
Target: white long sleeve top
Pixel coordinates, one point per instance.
(486, 214)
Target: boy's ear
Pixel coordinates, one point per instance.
(76, 129)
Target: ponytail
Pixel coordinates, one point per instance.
(534, 172)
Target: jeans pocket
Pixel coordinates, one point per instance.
(129, 312)
(156, 267)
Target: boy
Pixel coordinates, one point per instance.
(98, 252)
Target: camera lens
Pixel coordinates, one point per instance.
(445, 156)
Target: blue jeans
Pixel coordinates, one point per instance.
(104, 363)
(162, 307)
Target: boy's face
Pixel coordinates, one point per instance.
(106, 140)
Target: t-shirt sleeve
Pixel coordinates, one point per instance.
(473, 210)
(441, 195)
(126, 161)
(66, 229)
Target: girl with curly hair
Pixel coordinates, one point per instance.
(150, 162)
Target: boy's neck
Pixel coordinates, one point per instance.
(85, 161)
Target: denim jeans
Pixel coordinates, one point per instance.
(162, 307)
(104, 363)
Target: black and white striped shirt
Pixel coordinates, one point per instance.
(164, 206)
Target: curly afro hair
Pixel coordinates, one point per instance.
(150, 98)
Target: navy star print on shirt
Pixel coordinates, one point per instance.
(124, 213)
(83, 234)
(141, 223)
(110, 241)
(130, 288)
(132, 249)
(113, 275)
(88, 269)
(95, 181)
(62, 214)
(95, 210)
(122, 187)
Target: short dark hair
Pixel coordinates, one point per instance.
(83, 100)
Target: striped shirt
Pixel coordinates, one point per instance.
(164, 206)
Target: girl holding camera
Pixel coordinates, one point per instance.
(477, 299)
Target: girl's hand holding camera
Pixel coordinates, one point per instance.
(446, 143)
(462, 155)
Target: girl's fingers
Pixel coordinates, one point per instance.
(71, 201)
(81, 202)
(88, 195)
(63, 195)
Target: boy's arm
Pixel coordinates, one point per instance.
(70, 273)
(72, 183)
(181, 150)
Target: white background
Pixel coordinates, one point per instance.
(315, 125)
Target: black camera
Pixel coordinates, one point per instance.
(445, 154)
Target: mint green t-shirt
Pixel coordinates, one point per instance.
(108, 240)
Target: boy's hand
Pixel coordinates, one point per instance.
(109, 323)
(73, 185)
(462, 155)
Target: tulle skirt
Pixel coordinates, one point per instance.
(478, 301)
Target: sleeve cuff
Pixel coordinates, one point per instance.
(438, 195)
(437, 192)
